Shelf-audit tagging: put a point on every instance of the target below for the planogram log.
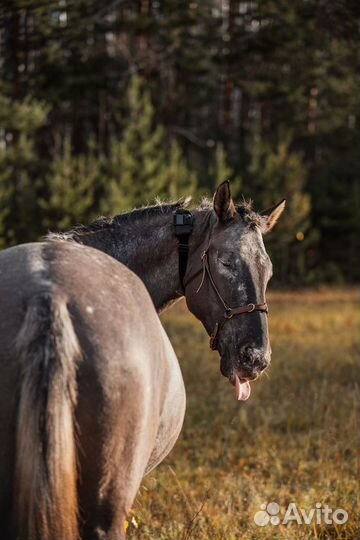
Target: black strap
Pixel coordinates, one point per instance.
(183, 249)
(183, 221)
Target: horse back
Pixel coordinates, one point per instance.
(130, 394)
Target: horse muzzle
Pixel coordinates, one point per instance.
(247, 365)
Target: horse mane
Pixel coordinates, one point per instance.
(105, 223)
(244, 209)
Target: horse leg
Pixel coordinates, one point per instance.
(117, 445)
(106, 520)
(122, 480)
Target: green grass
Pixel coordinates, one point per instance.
(296, 439)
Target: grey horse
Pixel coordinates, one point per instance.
(91, 393)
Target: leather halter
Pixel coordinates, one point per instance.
(229, 311)
(205, 270)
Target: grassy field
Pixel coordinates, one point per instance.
(296, 440)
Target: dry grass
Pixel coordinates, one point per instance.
(297, 438)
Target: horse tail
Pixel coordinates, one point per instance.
(46, 505)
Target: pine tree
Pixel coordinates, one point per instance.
(277, 172)
(180, 181)
(19, 163)
(142, 165)
(222, 171)
(71, 186)
(137, 160)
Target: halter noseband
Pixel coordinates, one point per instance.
(182, 232)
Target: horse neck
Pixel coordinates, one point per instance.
(148, 246)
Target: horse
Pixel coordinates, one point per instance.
(91, 393)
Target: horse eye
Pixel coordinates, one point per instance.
(225, 262)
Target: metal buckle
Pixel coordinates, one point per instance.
(183, 222)
(229, 314)
(252, 308)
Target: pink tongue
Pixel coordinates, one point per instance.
(243, 389)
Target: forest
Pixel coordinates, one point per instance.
(105, 106)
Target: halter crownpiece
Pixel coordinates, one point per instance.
(184, 223)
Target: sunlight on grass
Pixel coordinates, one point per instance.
(297, 438)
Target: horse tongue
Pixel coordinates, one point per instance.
(243, 389)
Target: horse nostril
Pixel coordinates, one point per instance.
(261, 363)
(253, 358)
(247, 353)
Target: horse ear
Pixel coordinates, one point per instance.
(272, 215)
(223, 204)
